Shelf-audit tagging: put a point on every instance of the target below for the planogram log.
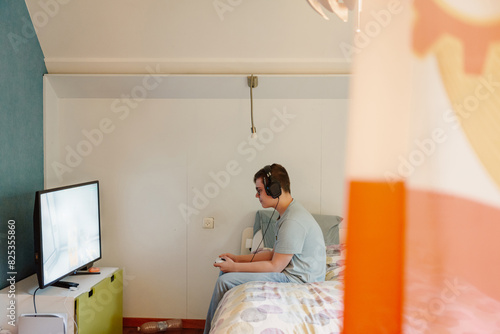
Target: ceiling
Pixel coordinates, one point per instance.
(189, 37)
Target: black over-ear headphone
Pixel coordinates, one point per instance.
(271, 185)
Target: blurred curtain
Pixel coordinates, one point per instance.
(423, 213)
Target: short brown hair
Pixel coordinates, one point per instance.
(279, 173)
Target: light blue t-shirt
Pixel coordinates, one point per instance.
(299, 234)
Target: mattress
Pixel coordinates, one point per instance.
(278, 308)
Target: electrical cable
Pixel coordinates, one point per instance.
(64, 303)
(268, 224)
(251, 99)
(73, 316)
(34, 303)
(251, 84)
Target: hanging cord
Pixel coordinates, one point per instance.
(34, 302)
(251, 100)
(251, 84)
(268, 224)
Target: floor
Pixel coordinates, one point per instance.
(133, 330)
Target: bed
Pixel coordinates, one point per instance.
(279, 308)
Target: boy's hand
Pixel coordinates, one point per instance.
(225, 266)
(231, 256)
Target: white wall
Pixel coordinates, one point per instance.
(157, 155)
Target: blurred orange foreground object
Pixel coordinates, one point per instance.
(374, 258)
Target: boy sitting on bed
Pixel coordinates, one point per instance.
(298, 255)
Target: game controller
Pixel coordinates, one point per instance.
(219, 260)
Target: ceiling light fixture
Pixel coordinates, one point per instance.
(339, 7)
(253, 82)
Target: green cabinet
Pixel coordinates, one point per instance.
(100, 310)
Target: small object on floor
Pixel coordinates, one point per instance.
(160, 326)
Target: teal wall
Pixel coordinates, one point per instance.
(21, 133)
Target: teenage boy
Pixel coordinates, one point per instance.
(298, 255)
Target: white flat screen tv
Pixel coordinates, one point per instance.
(67, 231)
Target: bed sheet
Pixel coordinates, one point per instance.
(279, 308)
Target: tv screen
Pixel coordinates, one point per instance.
(67, 230)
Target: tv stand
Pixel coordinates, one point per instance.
(65, 284)
(95, 305)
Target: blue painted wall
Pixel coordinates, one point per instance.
(21, 135)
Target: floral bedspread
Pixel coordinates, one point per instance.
(279, 308)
